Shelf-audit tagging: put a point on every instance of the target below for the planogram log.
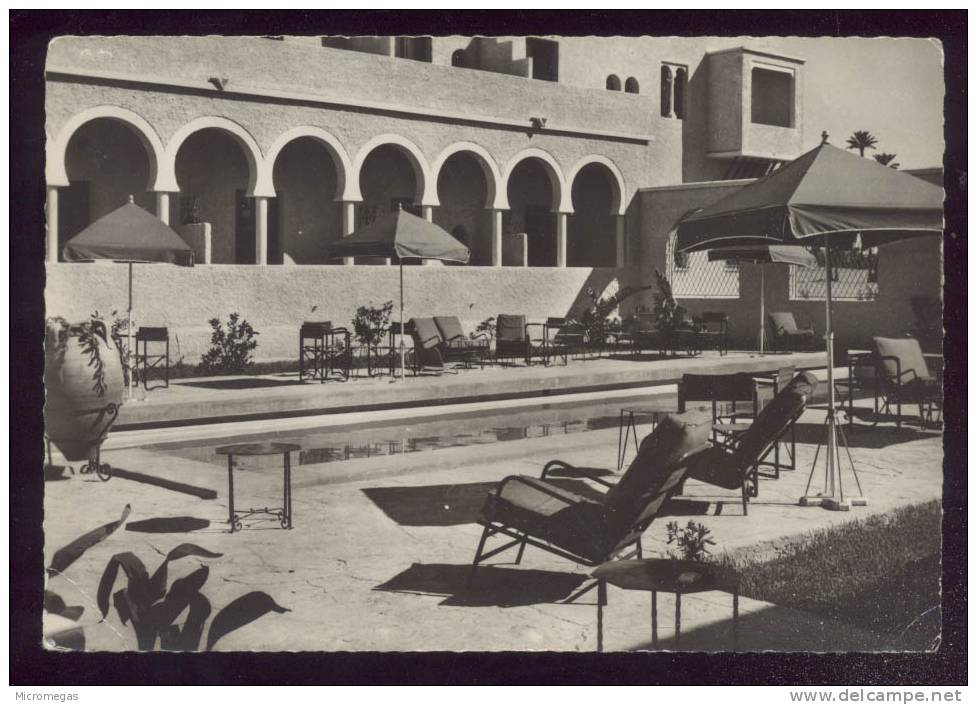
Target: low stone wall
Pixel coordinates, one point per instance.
(275, 300)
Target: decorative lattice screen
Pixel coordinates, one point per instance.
(693, 276)
(855, 277)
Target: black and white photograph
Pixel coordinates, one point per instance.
(486, 342)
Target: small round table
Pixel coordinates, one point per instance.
(283, 513)
(669, 575)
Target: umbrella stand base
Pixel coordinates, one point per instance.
(833, 497)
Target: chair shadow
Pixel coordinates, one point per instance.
(241, 383)
(168, 525)
(862, 436)
(448, 505)
(493, 586)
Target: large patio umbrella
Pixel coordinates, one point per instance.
(770, 254)
(131, 235)
(827, 197)
(401, 235)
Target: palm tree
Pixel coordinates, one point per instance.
(886, 159)
(862, 140)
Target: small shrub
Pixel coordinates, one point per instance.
(231, 349)
(596, 319)
(370, 323)
(692, 541)
(487, 327)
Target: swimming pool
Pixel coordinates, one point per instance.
(448, 430)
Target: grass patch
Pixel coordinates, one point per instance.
(881, 573)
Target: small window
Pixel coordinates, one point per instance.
(613, 83)
(772, 97)
(631, 85)
(458, 58)
(545, 54)
(679, 99)
(666, 91)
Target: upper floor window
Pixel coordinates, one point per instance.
(673, 82)
(772, 97)
(631, 85)
(613, 83)
(458, 58)
(545, 54)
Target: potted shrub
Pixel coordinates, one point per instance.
(369, 326)
(84, 384)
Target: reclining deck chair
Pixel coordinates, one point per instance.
(427, 353)
(455, 344)
(734, 464)
(511, 339)
(905, 378)
(540, 513)
(788, 336)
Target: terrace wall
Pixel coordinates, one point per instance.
(275, 300)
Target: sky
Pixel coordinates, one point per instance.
(892, 88)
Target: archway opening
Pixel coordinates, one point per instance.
(591, 235)
(531, 199)
(308, 216)
(106, 162)
(462, 192)
(631, 85)
(213, 174)
(387, 180)
(613, 83)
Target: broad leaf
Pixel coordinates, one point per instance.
(164, 613)
(193, 625)
(138, 588)
(158, 582)
(67, 555)
(240, 612)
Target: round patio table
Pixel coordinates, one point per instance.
(669, 575)
(283, 513)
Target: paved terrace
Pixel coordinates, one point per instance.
(381, 548)
(205, 400)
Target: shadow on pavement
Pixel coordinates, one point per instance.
(241, 383)
(448, 505)
(494, 586)
(168, 525)
(863, 436)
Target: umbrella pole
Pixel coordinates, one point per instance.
(832, 484)
(129, 350)
(763, 294)
(403, 353)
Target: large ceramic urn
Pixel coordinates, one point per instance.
(84, 385)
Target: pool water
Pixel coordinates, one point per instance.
(334, 444)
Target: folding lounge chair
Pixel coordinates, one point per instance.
(735, 464)
(905, 378)
(427, 345)
(787, 335)
(511, 339)
(540, 513)
(756, 390)
(559, 337)
(455, 345)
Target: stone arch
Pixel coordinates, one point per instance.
(426, 186)
(496, 196)
(618, 201)
(345, 191)
(561, 194)
(56, 170)
(258, 174)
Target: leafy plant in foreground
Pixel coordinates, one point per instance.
(370, 323)
(692, 541)
(153, 608)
